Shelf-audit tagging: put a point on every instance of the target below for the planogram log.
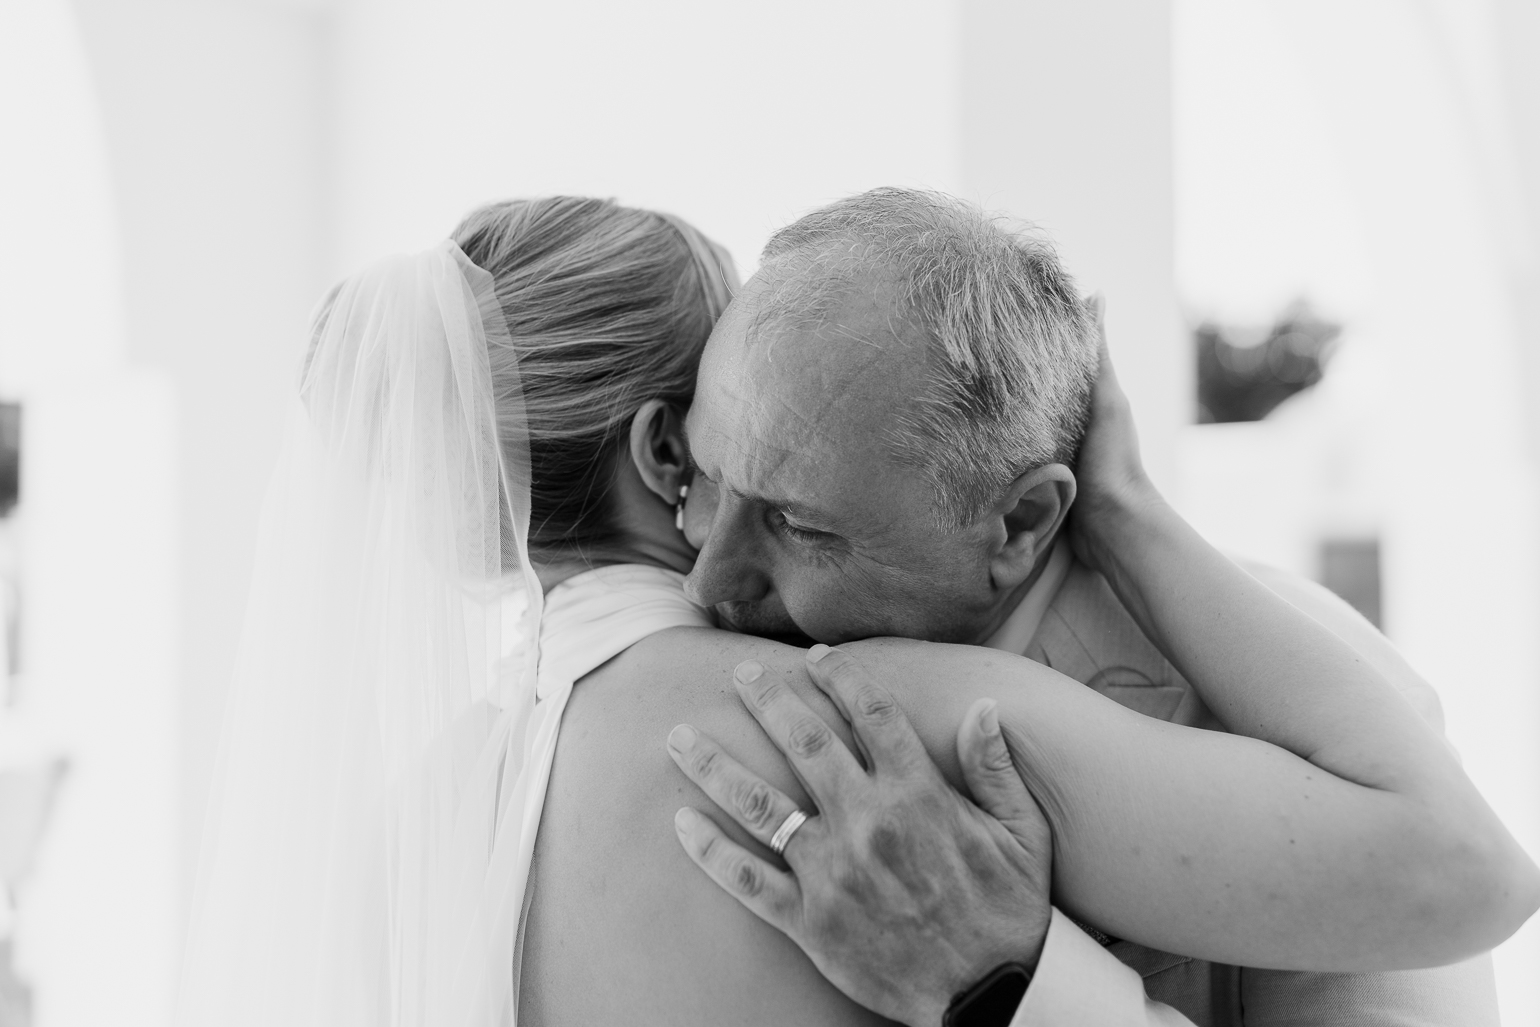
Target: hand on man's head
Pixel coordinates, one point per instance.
(901, 890)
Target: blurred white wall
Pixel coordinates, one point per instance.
(1370, 156)
(737, 117)
(1424, 137)
(101, 923)
(1515, 33)
(216, 120)
(97, 931)
(61, 293)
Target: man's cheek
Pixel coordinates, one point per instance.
(833, 616)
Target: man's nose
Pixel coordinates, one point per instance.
(729, 567)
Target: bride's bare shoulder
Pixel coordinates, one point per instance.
(622, 925)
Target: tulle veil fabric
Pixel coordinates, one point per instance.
(357, 868)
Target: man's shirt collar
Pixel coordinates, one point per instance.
(1016, 634)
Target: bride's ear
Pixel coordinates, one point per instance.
(658, 449)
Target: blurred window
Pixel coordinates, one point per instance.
(10, 456)
(1244, 374)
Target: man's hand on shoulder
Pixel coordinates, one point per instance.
(900, 890)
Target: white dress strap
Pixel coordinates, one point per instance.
(587, 621)
(594, 616)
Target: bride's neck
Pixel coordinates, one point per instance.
(645, 534)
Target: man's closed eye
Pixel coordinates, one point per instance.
(796, 533)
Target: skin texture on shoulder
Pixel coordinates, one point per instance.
(622, 926)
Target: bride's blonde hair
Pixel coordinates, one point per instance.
(606, 307)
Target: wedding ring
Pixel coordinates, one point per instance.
(795, 819)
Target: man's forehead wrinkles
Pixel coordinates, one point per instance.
(819, 370)
(768, 466)
(746, 450)
(781, 419)
(802, 425)
(759, 460)
(833, 293)
(758, 473)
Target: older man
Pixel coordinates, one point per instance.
(822, 523)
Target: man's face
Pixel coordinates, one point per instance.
(805, 521)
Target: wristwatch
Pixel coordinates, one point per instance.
(992, 1001)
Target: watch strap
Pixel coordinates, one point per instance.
(993, 1001)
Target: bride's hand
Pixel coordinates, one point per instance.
(1111, 482)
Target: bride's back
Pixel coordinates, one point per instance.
(622, 926)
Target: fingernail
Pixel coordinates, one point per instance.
(818, 652)
(684, 820)
(989, 719)
(748, 672)
(682, 738)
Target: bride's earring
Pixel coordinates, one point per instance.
(684, 490)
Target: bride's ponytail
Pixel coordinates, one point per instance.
(606, 308)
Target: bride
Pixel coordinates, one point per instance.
(474, 524)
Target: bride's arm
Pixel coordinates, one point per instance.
(1362, 845)
(1340, 835)
(1263, 667)
(1221, 846)
(1207, 844)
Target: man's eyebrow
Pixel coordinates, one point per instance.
(785, 504)
(799, 510)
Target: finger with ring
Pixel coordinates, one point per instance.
(772, 895)
(757, 806)
(778, 841)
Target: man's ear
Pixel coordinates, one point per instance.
(658, 449)
(1032, 510)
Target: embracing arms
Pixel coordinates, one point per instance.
(1423, 871)
(1211, 845)
(1340, 835)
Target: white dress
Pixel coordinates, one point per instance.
(588, 620)
(389, 730)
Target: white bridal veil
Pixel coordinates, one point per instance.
(359, 867)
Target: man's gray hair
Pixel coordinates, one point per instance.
(1014, 349)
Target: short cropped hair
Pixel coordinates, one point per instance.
(1013, 347)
